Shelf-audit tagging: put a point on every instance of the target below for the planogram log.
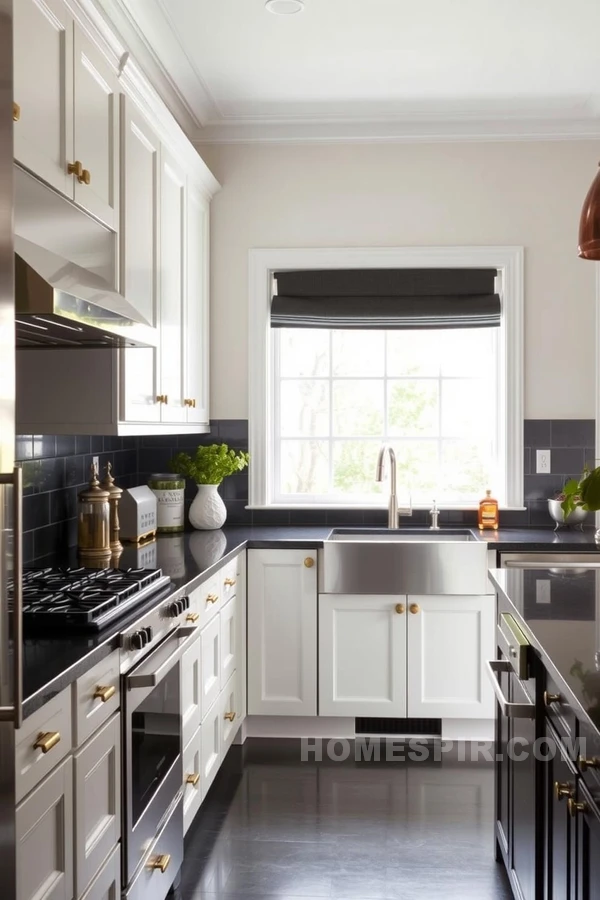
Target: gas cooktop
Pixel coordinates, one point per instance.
(83, 599)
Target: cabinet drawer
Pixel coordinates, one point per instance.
(192, 778)
(151, 883)
(210, 656)
(207, 599)
(228, 578)
(229, 641)
(96, 696)
(211, 746)
(588, 760)
(191, 689)
(107, 883)
(97, 801)
(558, 710)
(44, 835)
(230, 712)
(31, 762)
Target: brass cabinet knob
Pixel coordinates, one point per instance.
(85, 177)
(162, 398)
(190, 402)
(414, 608)
(400, 608)
(192, 779)
(229, 582)
(592, 763)
(230, 716)
(211, 598)
(192, 617)
(549, 698)
(46, 740)
(76, 169)
(574, 807)
(309, 562)
(104, 693)
(563, 789)
(16, 112)
(160, 862)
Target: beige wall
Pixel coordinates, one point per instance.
(396, 195)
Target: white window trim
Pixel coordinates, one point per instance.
(264, 262)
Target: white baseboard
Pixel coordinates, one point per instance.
(468, 729)
(341, 727)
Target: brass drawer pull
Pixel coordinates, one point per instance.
(162, 398)
(400, 608)
(192, 779)
(591, 763)
(230, 716)
(105, 693)
(189, 402)
(309, 562)
(160, 862)
(229, 582)
(563, 789)
(414, 608)
(16, 112)
(46, 740)
(211, 598)
(574, 807)
(192, 617)
(549, 698)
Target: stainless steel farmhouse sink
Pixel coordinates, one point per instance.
(407, 561)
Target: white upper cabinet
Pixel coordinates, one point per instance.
(140, 174)
(362, 655)
(67, 128)
(196, 330)
(43, 89)
(96, 131)
(449, 639)
(173, 221)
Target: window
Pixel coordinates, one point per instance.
(338, 394)
(323, 400)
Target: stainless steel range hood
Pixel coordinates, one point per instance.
(64, 262)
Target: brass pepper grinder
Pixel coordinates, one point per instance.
(114, 495)
(93, 521)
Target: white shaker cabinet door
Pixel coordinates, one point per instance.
(210, 655)
(172, 288)
(191, 689)
(449, 639)
(43, 90)
(140, 173)
(362, 655)
(196, 345)
(229, 640)
(282, 632)
(96, 131)
(44, 823)
(107, 883)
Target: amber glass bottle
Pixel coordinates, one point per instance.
(488, 512)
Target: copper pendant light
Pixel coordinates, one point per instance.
(589, 223)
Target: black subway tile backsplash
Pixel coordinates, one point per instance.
(56, 468)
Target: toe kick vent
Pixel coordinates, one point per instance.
(374, 726)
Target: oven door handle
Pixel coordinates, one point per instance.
(151, 679)
(496, 667)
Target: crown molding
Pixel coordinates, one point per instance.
(399, 132)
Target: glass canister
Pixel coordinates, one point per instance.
(169, 491)
(93, 519)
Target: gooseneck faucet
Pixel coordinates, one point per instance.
(387, 449)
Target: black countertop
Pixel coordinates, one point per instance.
(559, 611)
(52, 663)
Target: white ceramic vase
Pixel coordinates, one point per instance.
(207, 510)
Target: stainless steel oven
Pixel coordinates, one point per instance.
(153, 773)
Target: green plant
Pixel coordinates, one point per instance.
(583, 492)
(210, 464)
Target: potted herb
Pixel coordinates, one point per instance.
(583, 493)
(207, 468)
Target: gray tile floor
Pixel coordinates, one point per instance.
(276, 828)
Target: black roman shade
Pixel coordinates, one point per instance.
(386, 299)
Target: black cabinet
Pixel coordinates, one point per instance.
(560, 787)
(586, 822)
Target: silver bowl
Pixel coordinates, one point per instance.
(576, 517)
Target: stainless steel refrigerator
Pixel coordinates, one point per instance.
(11, 639)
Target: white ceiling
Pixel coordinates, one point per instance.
(372, 69)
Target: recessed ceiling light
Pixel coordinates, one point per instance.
(284, 7)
